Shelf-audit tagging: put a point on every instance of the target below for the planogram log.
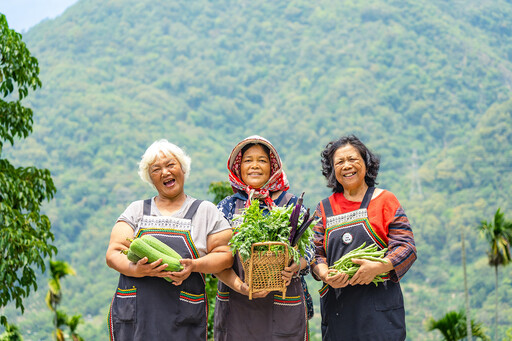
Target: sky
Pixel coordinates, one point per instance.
(23, 14)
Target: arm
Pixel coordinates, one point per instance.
(400, 256)
(117, 261)
(319, 267)
(217, 259)
(230, 278)
(401, 246)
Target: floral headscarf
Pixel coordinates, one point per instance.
(276, 182)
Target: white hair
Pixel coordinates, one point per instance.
(168, 149)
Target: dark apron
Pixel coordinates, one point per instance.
(269, 318)
(150, 308)
(359, 312)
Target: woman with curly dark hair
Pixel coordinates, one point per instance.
(356, 213)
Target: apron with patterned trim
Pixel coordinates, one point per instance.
(268, 318)
(359, 312)
(151, 308)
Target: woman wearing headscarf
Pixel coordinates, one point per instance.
(145, 306)
(356, 213)
(256, 173)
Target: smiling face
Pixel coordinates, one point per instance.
(349, 168)
(255, 168)
(167, 176)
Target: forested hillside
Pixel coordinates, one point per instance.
(427, 85)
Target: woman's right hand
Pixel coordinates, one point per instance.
(155, 269)
(243, 288)
(336, 279)
(332, 277)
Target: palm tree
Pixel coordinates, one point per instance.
(498, 233)
(453, 326)
(466, 289)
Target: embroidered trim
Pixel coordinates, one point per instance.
(324, 290)
(223, 296)
(167, 222)
(192, 298)
(331, 227)
(110, 321)
(185, 235)
(346, 217)
(126, 293)
(288, 301)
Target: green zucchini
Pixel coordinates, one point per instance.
(132, 257)
(160, 246)
(142, 249)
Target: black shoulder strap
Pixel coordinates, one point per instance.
(147, 207)
(286, 199)
(327, 207)
(192, 209)
(367, 197)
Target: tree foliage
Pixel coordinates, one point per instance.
(498, 233)
(58, 270)
(24, 232)
(453, 326)
(424, 84)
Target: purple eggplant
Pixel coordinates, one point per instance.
(294, 217)
(303, 227)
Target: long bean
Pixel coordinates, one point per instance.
(371, 253)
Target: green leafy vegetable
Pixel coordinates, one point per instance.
(273, 226)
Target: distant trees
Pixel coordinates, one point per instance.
(453, 326)
(24, 232)
(498, 233)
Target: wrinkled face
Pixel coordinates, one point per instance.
(255, 168)
(349, 167)
(167, 176)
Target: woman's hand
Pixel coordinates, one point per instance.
(179, 276)
(289, 271)
(336, 279)
(332, 277)
(244, 290)
(156, 269)
(368, 270)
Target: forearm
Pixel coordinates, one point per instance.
(118, 261)
(214, 262)
(230, 278)
(401, 246)
(320, 271)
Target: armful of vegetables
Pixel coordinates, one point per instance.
(371, 252)
(282, 224)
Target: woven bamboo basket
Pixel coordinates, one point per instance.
(263, 269)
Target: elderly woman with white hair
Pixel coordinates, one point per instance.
(145, 306)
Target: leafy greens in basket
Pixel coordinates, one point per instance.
(275, 226)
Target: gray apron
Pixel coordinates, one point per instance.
(270, 318)
(359, 312)
(150, 308)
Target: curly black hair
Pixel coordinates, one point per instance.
(371, 161)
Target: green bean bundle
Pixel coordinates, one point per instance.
(371, 252)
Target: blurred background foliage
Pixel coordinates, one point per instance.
(427, 85)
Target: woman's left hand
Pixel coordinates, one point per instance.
(180, 276)
(366, 272)
(289, 271)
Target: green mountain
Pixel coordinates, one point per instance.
(427, 85)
